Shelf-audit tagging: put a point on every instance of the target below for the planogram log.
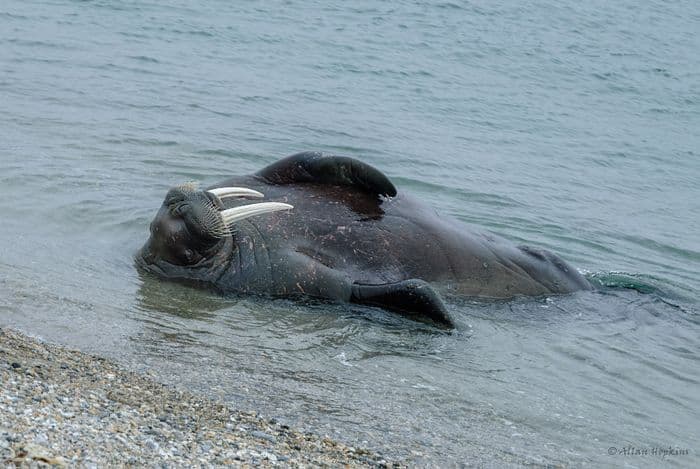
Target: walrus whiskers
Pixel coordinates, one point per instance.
(215, 226)
(235, 214)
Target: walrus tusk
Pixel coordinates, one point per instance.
(223, 192)
(235, 214)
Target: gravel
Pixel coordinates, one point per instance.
(62, 407)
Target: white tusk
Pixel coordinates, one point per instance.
(223, 192)
(232, 215)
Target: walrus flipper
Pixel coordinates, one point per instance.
(414, 298)
(319, 168)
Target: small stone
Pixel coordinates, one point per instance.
(152, 445)
(15, 365)
(41, 439)
(263, 435)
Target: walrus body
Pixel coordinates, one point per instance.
(349, 237)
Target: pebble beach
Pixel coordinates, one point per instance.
(62, 407)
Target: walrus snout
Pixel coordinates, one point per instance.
(191, 222)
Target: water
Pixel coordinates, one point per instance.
(569, 125)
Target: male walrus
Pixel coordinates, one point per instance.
(337, 229)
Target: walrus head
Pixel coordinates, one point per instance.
(192, 227)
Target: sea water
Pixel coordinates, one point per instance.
(569, 125)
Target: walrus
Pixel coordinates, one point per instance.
(337, 229)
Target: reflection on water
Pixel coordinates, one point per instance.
(175, 298)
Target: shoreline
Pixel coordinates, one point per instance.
(66, 408)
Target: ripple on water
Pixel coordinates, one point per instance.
(565, 125)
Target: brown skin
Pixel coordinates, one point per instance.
(343, 241)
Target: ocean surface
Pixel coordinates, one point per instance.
(573, 126)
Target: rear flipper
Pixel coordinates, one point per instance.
(413, 298)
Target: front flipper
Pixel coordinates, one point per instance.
(414, 298)
(327, 169)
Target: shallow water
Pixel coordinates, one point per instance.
(567, 125)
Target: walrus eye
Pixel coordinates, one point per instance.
(179, 209)
(174, 196)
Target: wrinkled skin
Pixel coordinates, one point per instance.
(343, 241)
